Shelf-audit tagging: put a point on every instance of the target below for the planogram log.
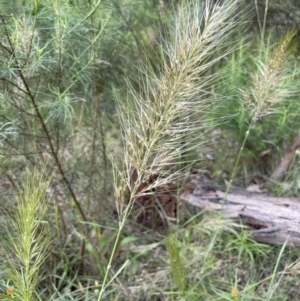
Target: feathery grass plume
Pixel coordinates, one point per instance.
(159, 122)
(159, 125)
(177, 268)
(28, 236)
(267, 84)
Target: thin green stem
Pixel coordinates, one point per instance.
(112, 255)
(103, 288)
(123, 218)
(98, 120)
(265, 21)
(237, 161)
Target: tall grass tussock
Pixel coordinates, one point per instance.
(158, 126)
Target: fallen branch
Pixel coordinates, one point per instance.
(273, 220)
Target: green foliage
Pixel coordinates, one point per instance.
(248, 249)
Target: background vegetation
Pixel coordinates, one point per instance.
(103, 103)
